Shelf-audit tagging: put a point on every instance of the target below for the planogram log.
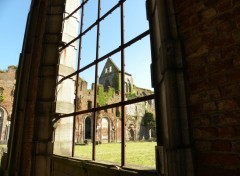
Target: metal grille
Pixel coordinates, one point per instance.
(95, 63)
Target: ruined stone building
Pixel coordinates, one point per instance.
(195, 68)
(7, 86)
(109, 120)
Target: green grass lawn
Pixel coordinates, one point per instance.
(137, 153)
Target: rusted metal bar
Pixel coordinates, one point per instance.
(139, 37)
(125, 103)
(96, 84)
(123, 154)
(77, 79)
(93, 25)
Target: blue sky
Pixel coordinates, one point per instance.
(13, 16)
(137, 56)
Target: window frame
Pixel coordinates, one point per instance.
(123, 103)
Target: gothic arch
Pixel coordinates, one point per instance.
(3, 124)
(105, 129)
(88, 128)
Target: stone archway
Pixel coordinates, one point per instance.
(105, 130)
(2, 116)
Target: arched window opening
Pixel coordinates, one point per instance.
(105, 130)
(88, 125)
(1, 122)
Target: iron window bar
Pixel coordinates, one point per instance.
(95, 85)
(78, 67)
(129, 43)
(114, 105)
(93, 25)
(123, 116)
(120, 49)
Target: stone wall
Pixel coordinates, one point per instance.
(210, 34)
(7, 83)
(134, 114)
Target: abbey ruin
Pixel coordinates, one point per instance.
(140, 116)
(7, 86)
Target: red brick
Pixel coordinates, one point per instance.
(230, 52)
(203, 146)
(196, 109)
(219, 67)
(230, 90)
(217, 78)
(223, 40)
(213, 56)
(223, 146)
(197, 76)
(227, 132)
(236, 35)
(224, 5)
(213, 94)
(217, 170)
(208, 34)
(219, 159)
(204, 133)
(232, 118)
(192, 44)
(211, 3)
(199, 86)
(236, 146)
(227, 26)
(210, 106)
(233, 75)
(201, 122)
(229, 104)
(208, 14)
(189, 10)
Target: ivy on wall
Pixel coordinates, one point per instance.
(1, 95)
(103, 97)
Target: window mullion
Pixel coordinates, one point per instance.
(96, 83)
(122, 87)
(77, 78)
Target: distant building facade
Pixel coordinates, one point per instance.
(109, 121)
(7, 86)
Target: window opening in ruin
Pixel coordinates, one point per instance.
(89, 104)
(1, 94)
(113, 64)
(88, 125)
(1, 122)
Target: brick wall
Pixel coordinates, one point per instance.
(210, 34)
(7, 82)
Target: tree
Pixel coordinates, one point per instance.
(149, 122)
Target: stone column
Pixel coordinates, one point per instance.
(66, 90)
(173, 153)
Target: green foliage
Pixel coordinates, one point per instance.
(103, 97)
(2, 71)
(148, 120)
(115, 82)
(131, 96)
(1, 95)
(118, 113)
(13, 67)
(1, 98)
